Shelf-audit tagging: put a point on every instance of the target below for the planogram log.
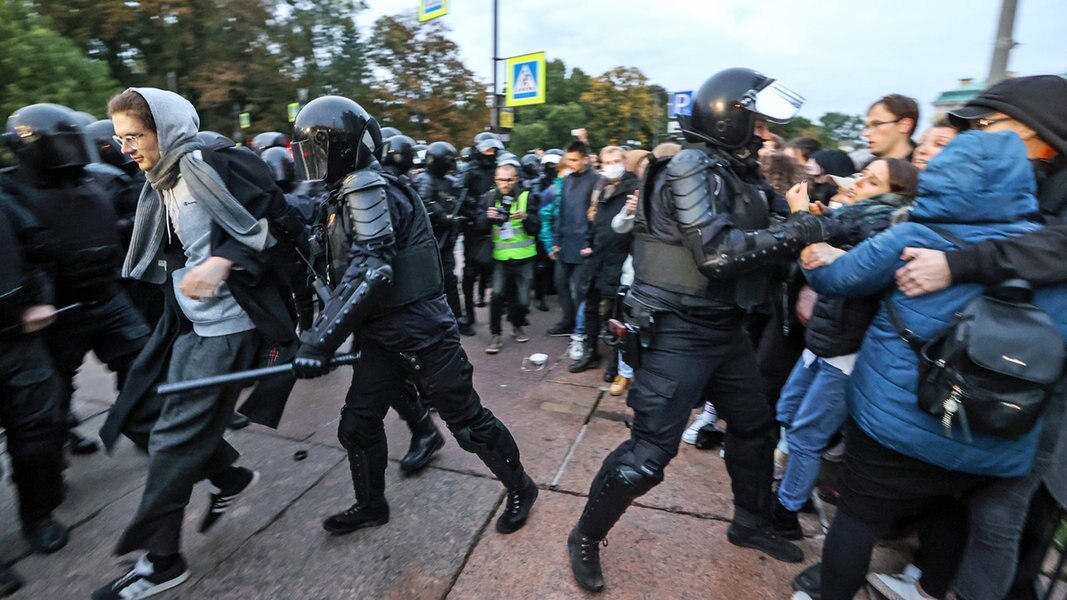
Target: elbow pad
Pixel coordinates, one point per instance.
(350, 306)
(368, 205)
(743, 251)
(693, 188)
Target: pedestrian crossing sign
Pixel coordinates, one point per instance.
(525, 80)
(431, 9)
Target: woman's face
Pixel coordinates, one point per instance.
(873, 181)
(932, 143)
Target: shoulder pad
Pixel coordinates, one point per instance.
(361, 180)
(687, 162)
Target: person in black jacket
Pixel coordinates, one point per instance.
(812, 404)
(703, 242)
(31, 390)
(441, 195)
(477, 245)
(391, 298)
(571, 249)
(610, 249)
(80, 214)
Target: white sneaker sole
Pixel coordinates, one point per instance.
(237, 499)
(162, 587)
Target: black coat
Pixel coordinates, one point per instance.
(610, 249)
(258, 286)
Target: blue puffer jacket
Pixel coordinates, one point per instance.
(980, 187)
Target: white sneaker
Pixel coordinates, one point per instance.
(577, 348)
(895, 587)
(704, 418)
(781, 459)
(800, 596)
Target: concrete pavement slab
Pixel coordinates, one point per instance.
(435, 519)
(87, 561)
(651, 554)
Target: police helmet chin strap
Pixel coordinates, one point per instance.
(363, 132)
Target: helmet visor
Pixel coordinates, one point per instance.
(777, 103)
(311, 157)
(64, 150)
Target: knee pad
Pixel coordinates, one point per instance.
(478, 437)
(641, 468)
(356, 433)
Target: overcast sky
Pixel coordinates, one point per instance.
(839, 54)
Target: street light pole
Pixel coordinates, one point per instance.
(494, 114)
(998, 67)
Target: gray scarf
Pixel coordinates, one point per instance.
(176, 127)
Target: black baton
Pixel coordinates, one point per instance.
(169, 389)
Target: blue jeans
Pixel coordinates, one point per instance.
(812, 406)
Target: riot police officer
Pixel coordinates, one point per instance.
(438, 191)
(703, 244)
(51, 182)
(397, 155)
(477, 242)
(269, 139)
(391, 298)
(30, 390)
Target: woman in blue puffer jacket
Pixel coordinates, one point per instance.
(900, 464)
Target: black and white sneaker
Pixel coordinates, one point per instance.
(223, 500)
(143, 581)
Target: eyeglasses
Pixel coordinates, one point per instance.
(982, 124)
(133, 141)
(877, 124)
(499, 180)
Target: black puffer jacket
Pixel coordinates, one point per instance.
(838, 324)
(610, 249)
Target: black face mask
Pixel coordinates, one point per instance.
(485, 161)
(550, 171)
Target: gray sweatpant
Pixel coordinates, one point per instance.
(183, 436)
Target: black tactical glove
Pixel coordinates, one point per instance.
(311, 361)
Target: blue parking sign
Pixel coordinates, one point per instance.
(680, 103)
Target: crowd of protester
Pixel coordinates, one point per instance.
(915, 225)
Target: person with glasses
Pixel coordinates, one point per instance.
(1035, 109)
(889, 125)
(512, 214)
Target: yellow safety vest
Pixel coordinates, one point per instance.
(510, 241)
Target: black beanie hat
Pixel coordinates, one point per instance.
(1039, 102)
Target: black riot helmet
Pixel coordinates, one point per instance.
(333, 136)
(555, 152)
(388, 132)
(101, 134)
(280, 161)
(47, 139)
(419, 159)
(727, 105)
(214, 139)
(397, 152)
(440, 158)
(465, 154)
(531, 166)
(269, 139)
(486, 140)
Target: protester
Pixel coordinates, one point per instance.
(900, 464)
(570, 248)
(609, 252)
(889, 124)
(227, 305)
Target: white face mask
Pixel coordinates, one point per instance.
(613, 171)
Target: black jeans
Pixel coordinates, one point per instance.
(448, 263)
(691, 361)
(516, 276)
(30, 394)
(570, 278)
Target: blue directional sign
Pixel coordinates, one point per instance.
(680, 103)
(431, 9)
(525, 81)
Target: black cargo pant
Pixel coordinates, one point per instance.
(690, 361)
(30, 393)
(448, 263)
(443, 375)
(113, 330)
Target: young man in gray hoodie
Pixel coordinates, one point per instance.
(206, 242)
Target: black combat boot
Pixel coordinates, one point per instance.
(368, 483)
(9, 581)
(751, 531)
(609, 497)
(501, 455)
(517, 506)
(426, 440)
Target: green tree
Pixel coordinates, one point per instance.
(842, 130)
(422, 86)
(527, 136)
(621, 106)
(40, 65)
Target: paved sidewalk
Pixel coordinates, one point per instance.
(440, 542)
